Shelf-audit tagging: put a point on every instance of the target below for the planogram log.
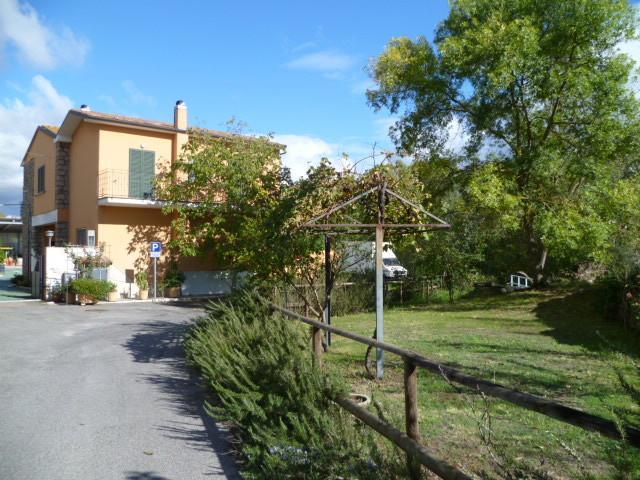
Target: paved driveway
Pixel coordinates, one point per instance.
(102, 392)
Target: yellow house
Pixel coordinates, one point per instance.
(90, 182)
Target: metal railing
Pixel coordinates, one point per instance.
(519, 282)
(410, 441)
(113, 183)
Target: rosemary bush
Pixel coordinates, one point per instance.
(260, 367)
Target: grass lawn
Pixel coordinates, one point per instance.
(545, 343)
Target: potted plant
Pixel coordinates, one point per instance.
(114, 295)
(173, 283)
(57, 294)
(143, 285)
(71, 297)
(89, 290)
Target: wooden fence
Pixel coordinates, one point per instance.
(417, 454)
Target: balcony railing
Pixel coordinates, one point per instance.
(114, 183)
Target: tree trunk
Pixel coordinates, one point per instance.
(539, 278)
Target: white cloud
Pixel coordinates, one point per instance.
(136, 96)
(303, 46)
(328, 61)
(36, 43)
(19, 117)
(303, 151)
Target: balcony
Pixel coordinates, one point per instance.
(118, 188)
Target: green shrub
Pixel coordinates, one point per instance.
(260, 366)
(21, 281)
(353, 298)
(3, 256)
(98, 289)
(173, 278)
(142, 280)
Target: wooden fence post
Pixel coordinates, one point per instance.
(411, 413)
(317, 337)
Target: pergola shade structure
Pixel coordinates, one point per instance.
(327, 225)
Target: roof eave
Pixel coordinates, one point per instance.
(43, 129)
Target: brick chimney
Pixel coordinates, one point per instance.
(180, 115)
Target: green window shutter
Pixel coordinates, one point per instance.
(135, 173)
(148, 173)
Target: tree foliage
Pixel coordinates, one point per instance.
(229, 194)
(541, 91)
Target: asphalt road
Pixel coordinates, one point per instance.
(102, 392)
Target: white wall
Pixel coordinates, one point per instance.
(59, 263)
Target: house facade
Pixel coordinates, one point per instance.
(89, 182)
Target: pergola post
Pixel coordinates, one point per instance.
(379, 301)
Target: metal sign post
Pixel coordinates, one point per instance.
(155, 252)
(155, 276)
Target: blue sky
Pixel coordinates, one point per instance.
(297, 69)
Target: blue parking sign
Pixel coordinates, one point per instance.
(156, 249)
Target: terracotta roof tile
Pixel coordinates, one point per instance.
(111, 117)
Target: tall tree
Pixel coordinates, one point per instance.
(229, 195)
(541, 91)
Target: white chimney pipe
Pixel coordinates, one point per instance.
(180, 115)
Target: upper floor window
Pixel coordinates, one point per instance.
(142, 172)
(40, 182)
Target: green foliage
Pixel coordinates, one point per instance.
(260, 366)
(142, 280)
(3, 256)
(233, 181)
(173, 278)
(88, 260)
(624, 457)
(91, 287)
(551, 127)
(230, 194)
(21, 281)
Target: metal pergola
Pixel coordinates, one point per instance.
(322, 224)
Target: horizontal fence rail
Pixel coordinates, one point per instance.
(402, 440)
(528, 401)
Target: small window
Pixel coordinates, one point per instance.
(86, 238)
(40, 179)
(91, 238)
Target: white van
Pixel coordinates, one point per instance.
(361, 257)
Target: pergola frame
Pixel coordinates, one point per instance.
(321, 224)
